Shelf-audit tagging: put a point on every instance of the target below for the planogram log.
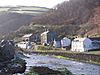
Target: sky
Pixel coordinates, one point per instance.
(42, 3)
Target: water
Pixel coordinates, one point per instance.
(77, 68)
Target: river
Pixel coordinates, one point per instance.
(76, 68)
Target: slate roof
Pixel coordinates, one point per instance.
(27, 35)
(95, 39)
(79, 39)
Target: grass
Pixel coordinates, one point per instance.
(93, 52)
(59, 56)
(40, 48)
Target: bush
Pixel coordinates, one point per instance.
(40, 47)
(57, 48)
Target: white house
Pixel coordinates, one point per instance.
(31, 37)
(27, 37)
(85, 44)
(24, 45)
(47, 37)
(65, 42)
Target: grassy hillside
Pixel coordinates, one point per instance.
(12, 21)
(12, 18)
(29, 10)
(70, 18)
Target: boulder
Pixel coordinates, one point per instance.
(15, 66)
(9, 62)
(7, 50)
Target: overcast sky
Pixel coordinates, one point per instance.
(42, 3)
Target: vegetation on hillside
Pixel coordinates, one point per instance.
(70, 18)
(80, 13)
(12, 18)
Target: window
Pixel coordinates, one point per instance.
(76, 40)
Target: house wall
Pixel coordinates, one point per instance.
(81, 46)
(77, 46)
(65, 42)
(44, 39)
(34, 38)
(87, 45)
(57, 44)
(96, 45)
(24, 45)
(48, 38)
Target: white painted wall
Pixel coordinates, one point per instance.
(44, 38)
(24, 45)
(81, 44)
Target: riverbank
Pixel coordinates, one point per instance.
(75, 67)
(82, 57)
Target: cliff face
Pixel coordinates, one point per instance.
(80, 13)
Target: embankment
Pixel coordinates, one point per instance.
(90, 58)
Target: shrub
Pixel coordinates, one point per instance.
(40, 47)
